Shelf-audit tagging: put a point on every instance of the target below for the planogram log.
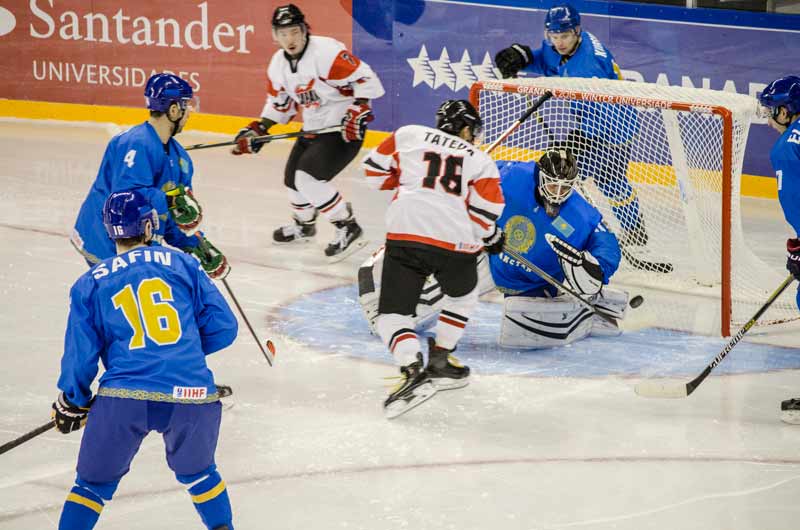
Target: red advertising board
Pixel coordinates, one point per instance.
(102, 51)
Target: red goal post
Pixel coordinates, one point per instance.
(663, 164)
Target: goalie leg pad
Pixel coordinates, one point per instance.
(614, 301)
(533, 322)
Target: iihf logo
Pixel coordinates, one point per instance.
(455, 75)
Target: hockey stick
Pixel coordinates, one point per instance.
(269, 351)
(533, 108)
(602, 313)
(27, 436)
(666, 389)
(258, 140)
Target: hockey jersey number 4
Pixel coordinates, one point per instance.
(448, 191)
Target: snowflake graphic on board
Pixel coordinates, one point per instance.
(445, 72)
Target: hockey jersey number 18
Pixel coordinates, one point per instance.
(448, 191)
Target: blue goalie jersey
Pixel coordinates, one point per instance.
(591, 59)
(151, 315)
(525, 223)
(136, 159)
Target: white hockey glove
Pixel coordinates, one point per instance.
(581, 269)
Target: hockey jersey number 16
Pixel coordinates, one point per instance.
(448, 191)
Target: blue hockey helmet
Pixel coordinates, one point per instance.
(783, 92)
(125, 214)
(562, 18)
(162, 90)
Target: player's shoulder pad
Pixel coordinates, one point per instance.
(599, 49)
(324, 51)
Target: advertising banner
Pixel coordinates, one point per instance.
(103, 51)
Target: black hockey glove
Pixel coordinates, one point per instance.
(68, 417)
(494, 243)
(513, 59)
(244, 138)
(793, 258)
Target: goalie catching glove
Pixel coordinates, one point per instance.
(581, 269)
(244, 138)
(513, 59)
(213, 261)
(184, 209)
(354, 122)
(68, 417)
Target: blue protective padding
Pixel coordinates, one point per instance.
(331, 321)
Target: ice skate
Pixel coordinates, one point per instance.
(348, 239)
(299, 231)
(444, 370)
(790, 411)
(415, 389)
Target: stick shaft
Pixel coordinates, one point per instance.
(27, 436)
(520, 120)
(268, 138)
(267, 355)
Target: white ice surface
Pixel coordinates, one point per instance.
(306, 445)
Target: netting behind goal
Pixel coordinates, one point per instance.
(663, 165)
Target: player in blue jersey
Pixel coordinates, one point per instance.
(562, 234)
(568, 51)
(151, 315)
(539, 202)
(148, 158)
(782, 101)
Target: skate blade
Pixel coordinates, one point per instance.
(450, 384)
(354, 247)
(293, 242)
(791, 417)
(400, 407)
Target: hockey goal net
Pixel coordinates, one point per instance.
(663, 165)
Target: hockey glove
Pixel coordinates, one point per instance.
(793, 258)
(184, 209)
(244, 138)
(581, 269)
(513, 59)
(68, 417)
(494, 243)
(213, 261)
(354, 123)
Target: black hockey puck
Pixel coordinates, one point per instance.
(636, 301)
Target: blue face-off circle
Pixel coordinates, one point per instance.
(331, 321)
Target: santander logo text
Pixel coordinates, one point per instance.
(7, 21)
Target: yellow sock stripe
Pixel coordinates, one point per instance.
(83, 501)
(210, 494)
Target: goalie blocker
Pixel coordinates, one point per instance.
(528, 322)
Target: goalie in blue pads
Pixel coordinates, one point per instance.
(151, 315)
(555, 229)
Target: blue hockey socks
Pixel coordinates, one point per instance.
(210, 498)
(81, 510)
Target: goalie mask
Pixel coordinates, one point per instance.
(558, 172)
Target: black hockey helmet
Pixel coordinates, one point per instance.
(455, 114)
(558, 173)
(288, 15)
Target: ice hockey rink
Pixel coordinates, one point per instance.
(553, 439)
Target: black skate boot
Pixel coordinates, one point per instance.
(299, 231)
(445, 370)
(348, 238)
(415, 389)
(790, 411)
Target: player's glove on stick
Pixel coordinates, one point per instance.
(244, 138)
(581, 269)
(184, 209)
(354, 123)
(513, 59)
(212, 260)
(68, 417)
(793, 258)
(494, 243)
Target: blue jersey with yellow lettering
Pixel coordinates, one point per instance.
(525, 223)
(785, 158)
(151, 315)
(137, 159)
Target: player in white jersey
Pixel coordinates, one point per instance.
(443, 214)
(332, 87)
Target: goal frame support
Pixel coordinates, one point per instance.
(724, 114)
